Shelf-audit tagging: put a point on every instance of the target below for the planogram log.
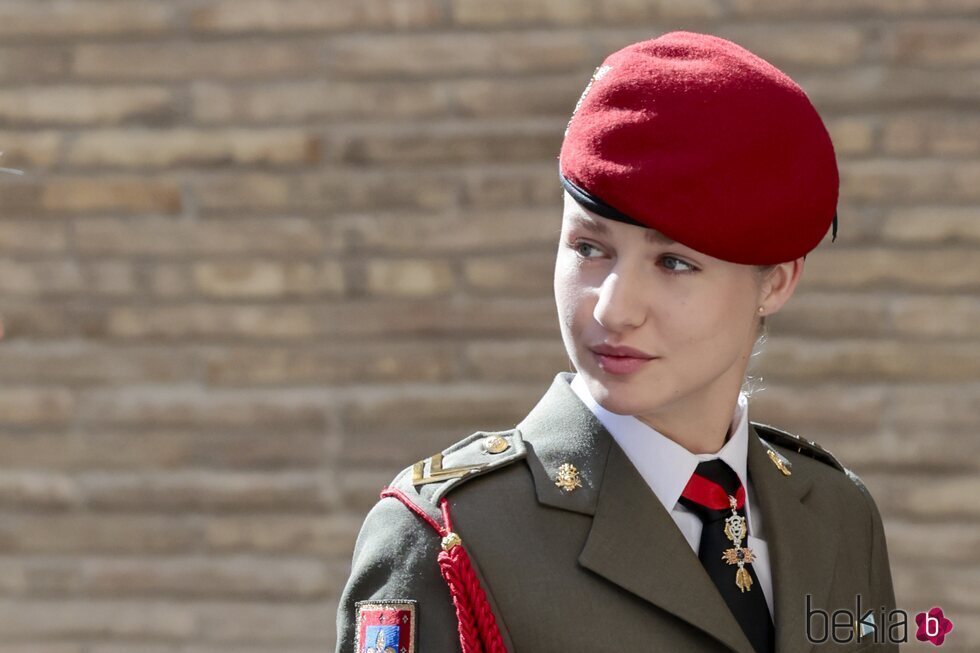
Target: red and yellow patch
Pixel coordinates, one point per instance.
(386, 626)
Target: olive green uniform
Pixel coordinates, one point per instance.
(603, 567)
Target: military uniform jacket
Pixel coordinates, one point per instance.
(604, 567)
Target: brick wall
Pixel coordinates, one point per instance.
(267, 252)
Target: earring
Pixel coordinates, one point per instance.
(762, 309)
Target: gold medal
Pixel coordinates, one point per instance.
(735, 531)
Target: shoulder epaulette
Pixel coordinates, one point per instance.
(479, 453)
(808, 448)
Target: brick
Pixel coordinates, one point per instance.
(190, 406)
(60, 277)
(186, 147)
(517, 186)
(33, 278)
(330, 364)
(234, 279)
(104, 194)
(210, 321)
(453, 143)
(408, 278)
(947, 268)
(949, 587)
(157, 448)
(515, 361)
(308, 100)
(193, 577)
(204, 490)
(874, 87)
(899, 446)
(281, 534)
(524, 274)
(520, 97)
(334, 191)
(38, 491)
(933, 406)
(931, 224)
(33, 63)
(871, 360)
(68, 105)
(35, 319)
(358, 57)
(852, 135)
(934, 43)
(24, 19)
(30, 151)
(850, 7)
(471, 233)
(896, 181)
(360, 486)
(474, 13)
(386, 318)
(279, 16)
(908, 539)
(54, 618)
(633, 12)
(169, 237)
(924, 496)
(73, 363)
(169, 280)
(460, 406)
(834, 45)
(38, 406)
(856, 408)
(826, 313)
(932, 133)
(18, 236)
(942, 316)
(256, 623)
(177, 61)
(42, 534)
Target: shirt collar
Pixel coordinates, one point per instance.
(665, 465)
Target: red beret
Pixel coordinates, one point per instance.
(700, 139)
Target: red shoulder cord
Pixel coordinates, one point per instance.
(478, 631)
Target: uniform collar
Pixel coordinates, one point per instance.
(665, 465)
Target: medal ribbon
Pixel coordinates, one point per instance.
(711, 495)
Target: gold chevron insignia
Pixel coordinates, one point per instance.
(437, 473)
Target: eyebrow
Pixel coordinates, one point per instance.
(650, 235)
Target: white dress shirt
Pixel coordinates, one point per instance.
(667, 467)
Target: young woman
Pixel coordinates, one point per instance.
(636, 507)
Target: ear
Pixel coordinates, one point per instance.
(778, 285)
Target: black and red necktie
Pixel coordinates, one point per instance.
(715, 494)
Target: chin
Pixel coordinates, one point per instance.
(625, 395)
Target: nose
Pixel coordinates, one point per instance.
(620, 306)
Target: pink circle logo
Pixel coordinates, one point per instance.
(933, 626)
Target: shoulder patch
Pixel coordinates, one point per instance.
(800, 445)
(479, 453)
(386, 626)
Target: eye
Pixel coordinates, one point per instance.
(676, 266)
(582, 248)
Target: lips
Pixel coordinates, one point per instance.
(620, 360)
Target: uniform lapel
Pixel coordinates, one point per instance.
(633, 542)
(802, 546)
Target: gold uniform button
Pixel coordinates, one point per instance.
(496, 444)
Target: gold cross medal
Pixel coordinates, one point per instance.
(738, 555)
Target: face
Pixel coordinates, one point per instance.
(694, 316)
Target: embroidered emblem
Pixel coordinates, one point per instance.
(568, 478)
(386, 626)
